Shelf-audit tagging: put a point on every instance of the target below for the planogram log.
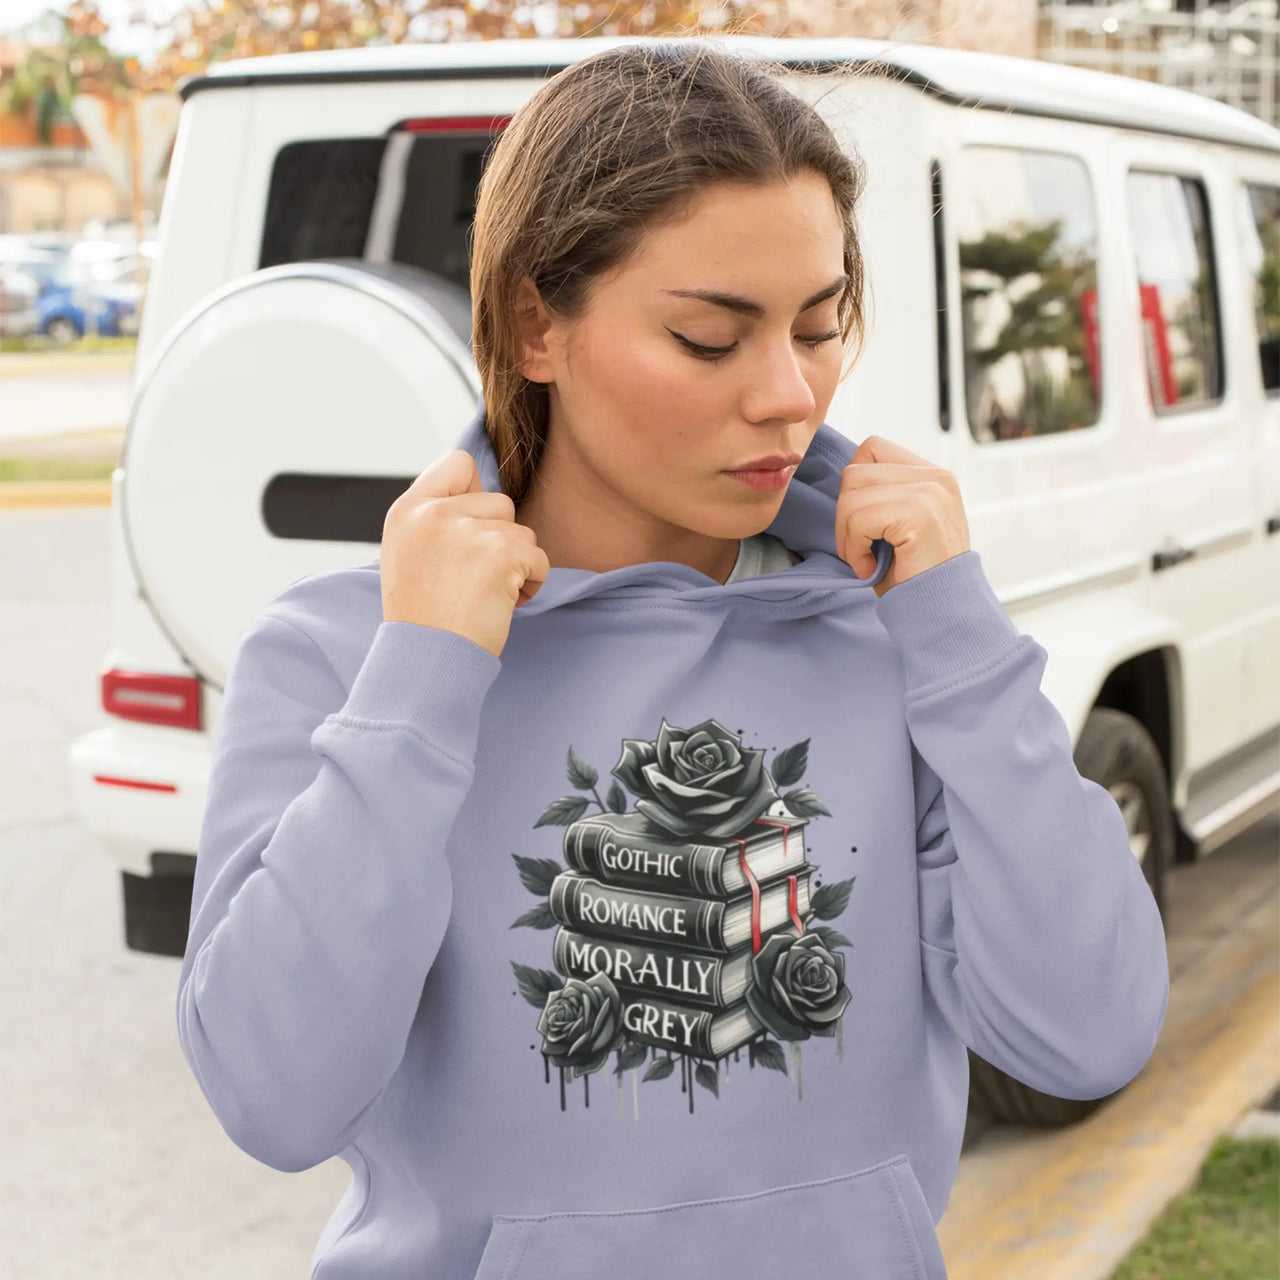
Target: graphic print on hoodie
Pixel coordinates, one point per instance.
(685, 923)
(351, 985)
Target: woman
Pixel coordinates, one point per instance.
(711, 1018)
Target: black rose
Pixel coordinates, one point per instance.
(581, 1023)
(798, 987)
(699, 781)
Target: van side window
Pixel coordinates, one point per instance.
(323, 200)
(1262, 260)
(1177, 288)
(1028, 242)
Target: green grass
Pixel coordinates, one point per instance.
(55, 469)
(88, 343)
(21, 358)
(1225, 1227)
(79, 455)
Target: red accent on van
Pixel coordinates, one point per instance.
(455, 124)
(108, 780)
(173, 701)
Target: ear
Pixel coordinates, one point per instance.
(533, 325)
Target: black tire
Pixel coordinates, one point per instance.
(1116, 751)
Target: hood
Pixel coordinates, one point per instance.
(805, 522)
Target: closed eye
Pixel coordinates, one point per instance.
(715, 354)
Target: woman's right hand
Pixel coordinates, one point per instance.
(454, 557)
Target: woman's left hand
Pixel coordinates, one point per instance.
(889, 492)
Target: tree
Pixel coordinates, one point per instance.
(74, 59)
(213, 30)
(207, 31)
(51, 74)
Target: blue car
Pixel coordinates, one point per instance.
(70, 305)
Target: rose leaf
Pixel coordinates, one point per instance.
(632, 1055)
(768, 1053)
(592, 1064)
(706, 1076)
(831, 937)
(659, 1069)
(536, 985)
(536, 874)
(790, 763)
(805, 803)
(538, 917)
(581, 774)
(562, 812)
(831, 899)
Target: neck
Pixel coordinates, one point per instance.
(582, 524)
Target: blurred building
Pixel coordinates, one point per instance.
(1224, 49)
(54, 187)
(993, 26)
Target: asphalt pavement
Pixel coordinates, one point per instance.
(39, 404)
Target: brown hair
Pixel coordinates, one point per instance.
(601, 150)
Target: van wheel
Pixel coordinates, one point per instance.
(1116, 751)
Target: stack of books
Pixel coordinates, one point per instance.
(675, 923)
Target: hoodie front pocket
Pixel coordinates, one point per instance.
(873, 1224)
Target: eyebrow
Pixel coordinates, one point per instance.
(750, 308)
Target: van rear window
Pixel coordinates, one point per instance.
(320, 199)
(403, 198)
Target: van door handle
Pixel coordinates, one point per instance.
(1273, 524)
(1167, 558)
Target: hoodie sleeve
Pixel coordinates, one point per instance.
(1041, 941)
(322, 891)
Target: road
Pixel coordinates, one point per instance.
(40, 404)
(115, 1164)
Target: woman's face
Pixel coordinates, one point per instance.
(645, 424)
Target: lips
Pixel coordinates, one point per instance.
(769, 479)
(771, 462)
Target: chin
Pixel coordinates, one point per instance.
(713, 516)
(734, 524)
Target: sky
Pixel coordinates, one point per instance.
(121, 39)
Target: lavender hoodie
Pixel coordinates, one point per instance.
(652, 948)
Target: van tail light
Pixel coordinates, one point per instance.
(454, 124)
(173, 701)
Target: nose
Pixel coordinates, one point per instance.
(776, 385)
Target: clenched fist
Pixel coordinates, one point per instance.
(889, 492)
(454, 557)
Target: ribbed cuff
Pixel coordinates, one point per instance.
(946, 620)
(427, 677)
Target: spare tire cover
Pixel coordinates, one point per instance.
(273, 427)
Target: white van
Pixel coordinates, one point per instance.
(1074, 307)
